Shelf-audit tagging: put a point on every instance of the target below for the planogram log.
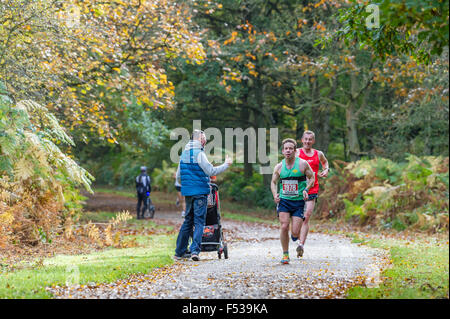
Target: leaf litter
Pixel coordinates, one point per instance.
(330, 266)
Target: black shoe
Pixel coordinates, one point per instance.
(300, 250)
(195, 257)
(187, 255)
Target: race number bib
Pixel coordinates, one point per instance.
(290, 187)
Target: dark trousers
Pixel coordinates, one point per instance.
(142, 198)
(194, 222)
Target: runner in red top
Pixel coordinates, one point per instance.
(314, 162)
(314, 158)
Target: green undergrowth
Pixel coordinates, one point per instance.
(419, 270)
(411, 195)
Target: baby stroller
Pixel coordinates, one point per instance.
(212, 238)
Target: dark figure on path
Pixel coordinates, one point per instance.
(143, 189)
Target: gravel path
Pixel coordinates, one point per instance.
(330, 265)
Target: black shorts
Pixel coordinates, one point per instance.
(293, 207)
(178, 188)
(312, 197)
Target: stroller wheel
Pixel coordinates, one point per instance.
(152, 211)
(225, 251)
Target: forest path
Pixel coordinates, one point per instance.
(330, 265)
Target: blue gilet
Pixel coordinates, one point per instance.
(194, 181)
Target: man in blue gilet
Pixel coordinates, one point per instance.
(193, 174)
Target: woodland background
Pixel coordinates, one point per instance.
(89, 92)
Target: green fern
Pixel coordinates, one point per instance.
(28, 133)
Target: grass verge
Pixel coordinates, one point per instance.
(121, 192)
(420, 270)
(248, 218)
(103, 266)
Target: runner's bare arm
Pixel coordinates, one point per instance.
(273, 184)
(306, 169)
(323, 160)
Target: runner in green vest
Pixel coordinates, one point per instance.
(296, 178)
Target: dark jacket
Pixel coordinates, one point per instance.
(143, 184)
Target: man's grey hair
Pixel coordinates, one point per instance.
(196, 134)
(309, 133)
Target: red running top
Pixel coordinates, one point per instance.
(314, 162)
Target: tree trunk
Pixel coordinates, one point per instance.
(246, 117)
(351, 122)
(321, 128)
(262, 119)
(325, 142)
(321, 119)
(352, 134)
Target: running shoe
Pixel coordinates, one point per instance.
(299, 250)
(285, 259)
(187, 255)
(195, 257)
(183, 214)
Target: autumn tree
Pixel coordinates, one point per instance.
(95, 68)
(395, 27)
(81, 53)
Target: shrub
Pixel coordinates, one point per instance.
(251, 191)
(388, 194)
(163, 178)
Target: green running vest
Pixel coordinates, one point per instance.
(292, 181)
